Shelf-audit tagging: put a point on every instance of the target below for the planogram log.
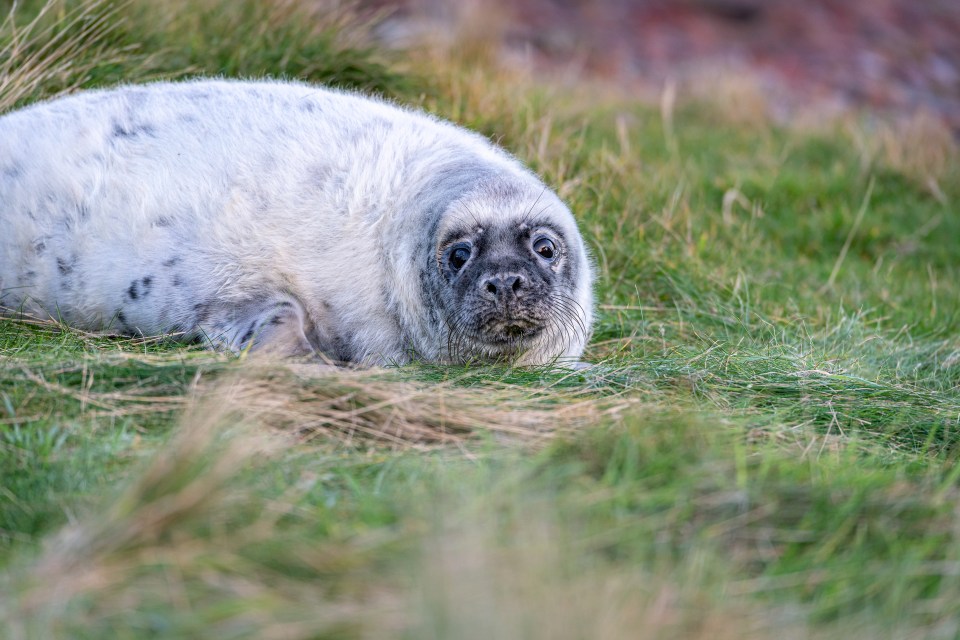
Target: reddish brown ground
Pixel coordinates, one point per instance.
(891, 55)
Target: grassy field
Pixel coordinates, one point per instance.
(765, 446)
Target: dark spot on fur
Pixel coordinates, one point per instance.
(342, 349)
(268, 162)
(135, 98)
(249, 332)
(171, 262)
(39, 246)
(83, 211)
(65, 267)
(429, 285)
(133, 291)
(276, 320)
(25, 278)
(121, 130)
(12, 171)
(122, 319)
(320, 175)
(162, 221)
(202, 311)
(146, 284)
(177, 281)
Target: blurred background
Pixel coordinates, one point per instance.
(895, 57)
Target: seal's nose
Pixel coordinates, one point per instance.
(503, 286)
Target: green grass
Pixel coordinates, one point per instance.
(766, 445)
(49, 46)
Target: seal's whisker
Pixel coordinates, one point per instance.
(567, 305)
(526, 216)
(578, 312)
(453, 338)
(473, 214)
(569, 329)
(450, 336)
(462, 336)
(561, 295)
(542, 209)
(571, 317)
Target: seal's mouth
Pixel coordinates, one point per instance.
(511, 333)
(497, 334)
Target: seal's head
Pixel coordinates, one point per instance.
(514, 279)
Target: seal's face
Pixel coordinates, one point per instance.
(510, 289)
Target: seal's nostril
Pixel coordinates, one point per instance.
(503, 286)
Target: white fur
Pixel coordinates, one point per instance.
(253, 190)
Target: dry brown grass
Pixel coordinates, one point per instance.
(346, 406)
(736, 96)
(920, 147)
(311, 400)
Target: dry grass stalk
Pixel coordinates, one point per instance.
(737, 96)
(47, 52)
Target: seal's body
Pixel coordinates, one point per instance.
(286, 217)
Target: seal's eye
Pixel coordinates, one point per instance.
(459, 257)
(545, 248)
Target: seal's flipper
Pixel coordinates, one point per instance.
(277, 328)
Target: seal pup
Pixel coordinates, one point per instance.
(287, 218)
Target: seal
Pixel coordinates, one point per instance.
(286, 218)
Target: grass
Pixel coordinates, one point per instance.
(765, 446)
